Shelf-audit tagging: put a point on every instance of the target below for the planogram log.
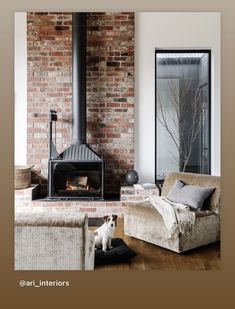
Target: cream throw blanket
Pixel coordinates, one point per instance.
(178, 218)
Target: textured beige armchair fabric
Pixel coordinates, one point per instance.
(142, 220)
(53, 241)
(213, 203)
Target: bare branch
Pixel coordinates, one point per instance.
(177, 113)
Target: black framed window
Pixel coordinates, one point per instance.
(183, 100)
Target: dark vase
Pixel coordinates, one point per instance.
(131, 177)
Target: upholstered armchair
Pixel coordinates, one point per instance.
(143, 221)
(53, 241)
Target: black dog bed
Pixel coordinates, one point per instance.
(118, 254)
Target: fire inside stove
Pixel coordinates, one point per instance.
(80, 183)
(76, 179)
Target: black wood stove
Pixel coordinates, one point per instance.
(78, 172)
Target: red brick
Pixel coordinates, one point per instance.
(110, 43)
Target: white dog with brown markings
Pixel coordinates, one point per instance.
(104, 234)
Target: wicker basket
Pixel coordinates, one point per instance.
(23, 176)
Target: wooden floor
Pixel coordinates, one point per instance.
(151, 257)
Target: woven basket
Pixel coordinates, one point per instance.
(23, 176)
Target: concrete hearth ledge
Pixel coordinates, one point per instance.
(25, 201)
(28, 194)
(129, 193)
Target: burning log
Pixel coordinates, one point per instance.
(77, 183)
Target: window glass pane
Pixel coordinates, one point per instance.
(182, 112)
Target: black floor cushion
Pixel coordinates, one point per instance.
(118, 254)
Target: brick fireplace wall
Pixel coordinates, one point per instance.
(110, 88)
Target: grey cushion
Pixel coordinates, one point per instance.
(192, 196)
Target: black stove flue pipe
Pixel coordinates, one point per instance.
(79, 78)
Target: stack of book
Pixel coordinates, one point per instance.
(144, 186)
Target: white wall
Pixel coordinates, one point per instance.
(20, 85)
(177, 31)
